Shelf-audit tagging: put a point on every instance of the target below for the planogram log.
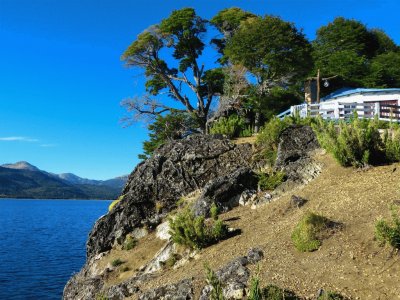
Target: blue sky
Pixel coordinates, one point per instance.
(61, 79)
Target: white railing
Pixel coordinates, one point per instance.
(342, 110)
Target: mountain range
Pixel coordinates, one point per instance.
(23, 180)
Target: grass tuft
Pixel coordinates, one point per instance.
(305, 236)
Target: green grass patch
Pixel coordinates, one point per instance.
(331, 296)
(388, 232)
(117, 262)
(129, 243)
(271, 181)
(212, 279)
(306, 235)
(273, 292)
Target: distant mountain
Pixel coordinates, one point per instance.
(21, 165)
(23, 180)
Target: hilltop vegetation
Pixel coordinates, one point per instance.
(262, 65)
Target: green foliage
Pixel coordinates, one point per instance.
(272, 292)
(357, 55)
(212, 279)
(232, 126)
(275, 53)
(255, 292)
(268, 138)
(129, 243)
(271, 181)
(357, 143)
(180, 40)
(227, 21)
(195, 232)
(383, 72)
(171, 261)
(392, 144)
(389, 232)
(330, 296)
(305, 236)
(101, 296)
(214, 211)
(269, 48)
(172, 126)
(246, 131)
(277, 100)
(117, 262)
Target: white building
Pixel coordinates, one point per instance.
(341, 104)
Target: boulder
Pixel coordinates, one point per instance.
(183, 290)
(175, 169)
(296, 201)
(225, 191)
(234, 276)
(296, 144)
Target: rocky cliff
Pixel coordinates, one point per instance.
(218, 170)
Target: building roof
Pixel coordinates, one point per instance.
(344, 92)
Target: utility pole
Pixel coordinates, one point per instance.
(318, 79)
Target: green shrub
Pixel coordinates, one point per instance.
(246, 132)
(117, 262)
(212, 279)
(214, 211)
(255, 291)
(272, 292)
(357, 143)
(305, 236)
(125, 269)
(271, 181)
(171, 261)
(268, 138)
(232, 126)
(389, 232)
(330, 296)
(195, 232)
(129, 243)
(392, 144)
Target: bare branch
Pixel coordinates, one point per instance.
(144, 109)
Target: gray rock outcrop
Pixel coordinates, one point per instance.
(296, 144)
(234, 276)
(174, 170)
(225, 191)
(183, 290)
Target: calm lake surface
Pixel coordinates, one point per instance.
(42, 243)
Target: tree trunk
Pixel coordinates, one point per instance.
(257, 118)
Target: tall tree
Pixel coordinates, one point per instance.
(181, 75)
(227, 21)
(273, 51)
(346, 48)
(384, 71)
(383, 42)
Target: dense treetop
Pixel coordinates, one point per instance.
(261, 64)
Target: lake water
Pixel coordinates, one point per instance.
(42, 243)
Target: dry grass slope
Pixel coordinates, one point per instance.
(350, 261)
